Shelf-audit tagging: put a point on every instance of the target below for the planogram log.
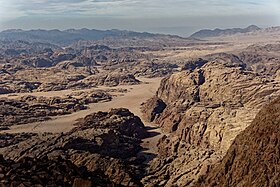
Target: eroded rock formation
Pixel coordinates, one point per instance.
(45, 172)
(103, 142)
(206, 108)
(253, 158)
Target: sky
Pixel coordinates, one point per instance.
(181, 17)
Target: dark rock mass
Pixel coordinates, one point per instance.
(105, 143)
(28, 172)
(152, 108)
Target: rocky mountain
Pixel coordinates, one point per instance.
(70, 36)
(252, 159)
(223, 32)
(202, 109)
(201, 113)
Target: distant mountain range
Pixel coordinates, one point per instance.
(70, 36)
(205, 33)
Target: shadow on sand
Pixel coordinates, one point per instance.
(146, 154)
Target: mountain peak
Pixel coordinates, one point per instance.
(253, 28)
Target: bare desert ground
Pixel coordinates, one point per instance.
(132, 100)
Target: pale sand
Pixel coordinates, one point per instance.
(131, 100)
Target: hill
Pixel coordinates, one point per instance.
(222, 32)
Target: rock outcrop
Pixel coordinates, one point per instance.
(152, 108)
(37, 62)
(206, 108)
(103, 142)
(110, 79)
(253, 158)
(153, 69)
(45, 172)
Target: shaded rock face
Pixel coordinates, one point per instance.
(105, 142)
(206, 107)
(42, 63)
(152, 108)
(44, 172)
(252, 159)
(59, 57)
(228, 60)
(12, 139)
(101, 58)
(194, 64)
(4, 90)
(37, 62)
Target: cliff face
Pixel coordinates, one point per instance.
(205, 109)
(211, 98)
(253, 158)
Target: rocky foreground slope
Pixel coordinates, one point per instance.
(203, 108)
(45, 172)
(253, 158)
(104, 143)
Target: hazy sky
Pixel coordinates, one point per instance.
(164, 16)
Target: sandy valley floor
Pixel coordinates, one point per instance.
(132, 100)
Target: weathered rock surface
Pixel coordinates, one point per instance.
(38, 62)
(152, 108)
(252, 159)
(45, 172)
(206, 108)
(12, 139)
(106, 142)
